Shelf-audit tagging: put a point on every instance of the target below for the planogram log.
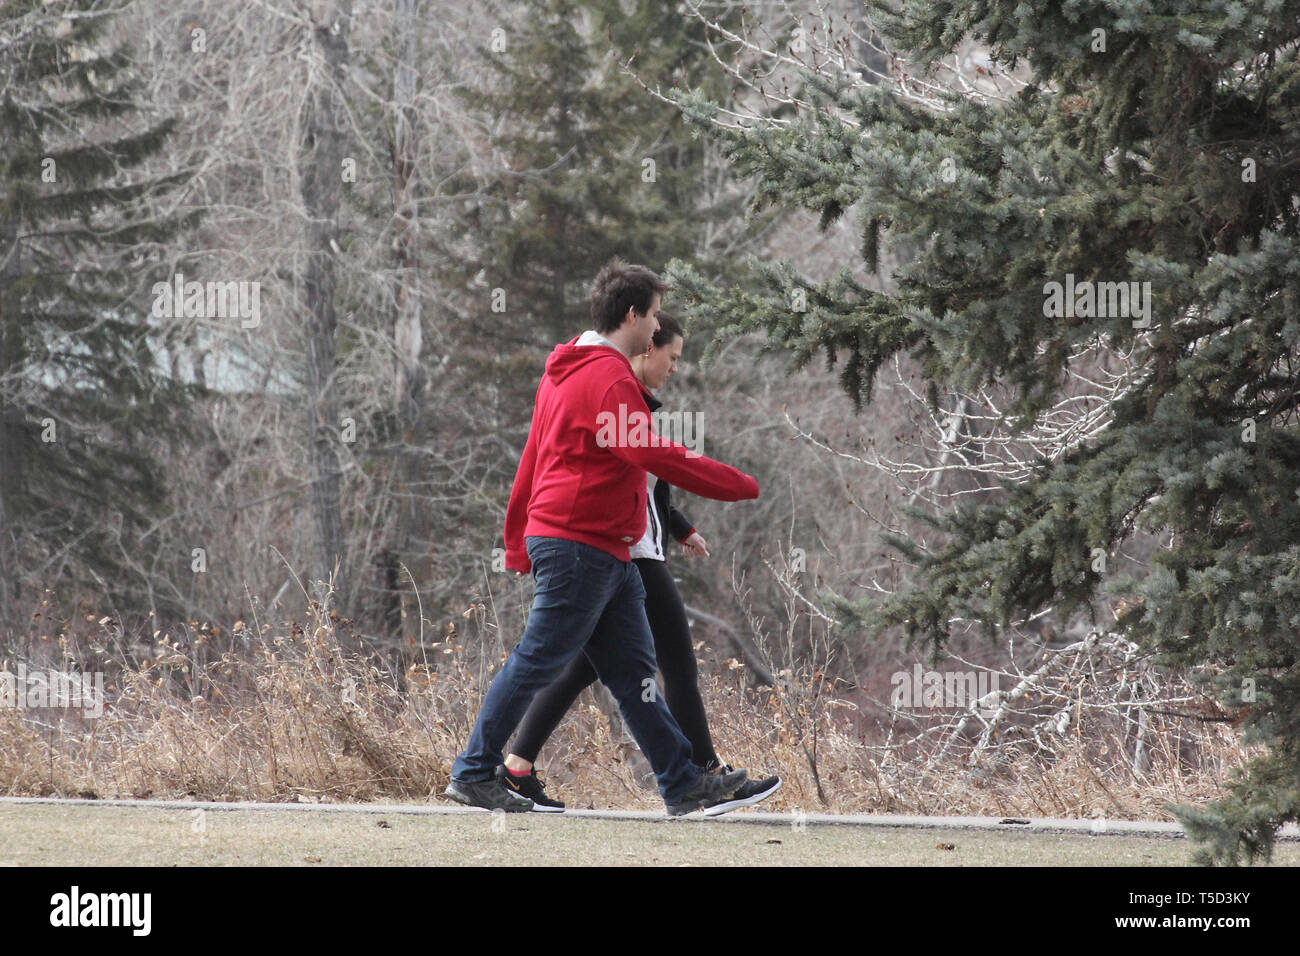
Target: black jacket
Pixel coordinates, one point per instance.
(669, 517)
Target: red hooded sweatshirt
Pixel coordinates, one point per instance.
(582, 474)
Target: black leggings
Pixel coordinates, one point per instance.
(676, 658)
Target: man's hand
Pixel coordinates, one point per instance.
(695, 545)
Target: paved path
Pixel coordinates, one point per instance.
(1102, 827)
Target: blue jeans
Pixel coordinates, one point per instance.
(585, 601)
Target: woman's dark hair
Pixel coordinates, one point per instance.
(619, 287)
(669, 329)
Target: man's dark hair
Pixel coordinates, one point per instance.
(619, 287)
(669, 329)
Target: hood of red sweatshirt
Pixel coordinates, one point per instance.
(569, 358)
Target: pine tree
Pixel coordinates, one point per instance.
(1154, 143)
(82, 405)
(584, 165)
(596, 166)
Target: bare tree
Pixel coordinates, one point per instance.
(320, 163)
(413, 524)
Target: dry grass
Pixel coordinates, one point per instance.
(288, 713)
(1088, 776)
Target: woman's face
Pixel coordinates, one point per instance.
(660, 363)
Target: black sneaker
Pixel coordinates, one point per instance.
(488, 794)
(746, 795)
(530, 787)
(710, 788)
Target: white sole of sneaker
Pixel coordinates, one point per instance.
(721, 808)
(538, 808)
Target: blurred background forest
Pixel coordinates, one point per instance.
(423, 198)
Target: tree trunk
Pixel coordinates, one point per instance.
(320, 159)
(11, 424)
(412, 531)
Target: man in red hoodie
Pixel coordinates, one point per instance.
(577, 505)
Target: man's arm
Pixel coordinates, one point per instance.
(672, 462)
(517, 510)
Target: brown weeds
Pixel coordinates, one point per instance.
(287, 713)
